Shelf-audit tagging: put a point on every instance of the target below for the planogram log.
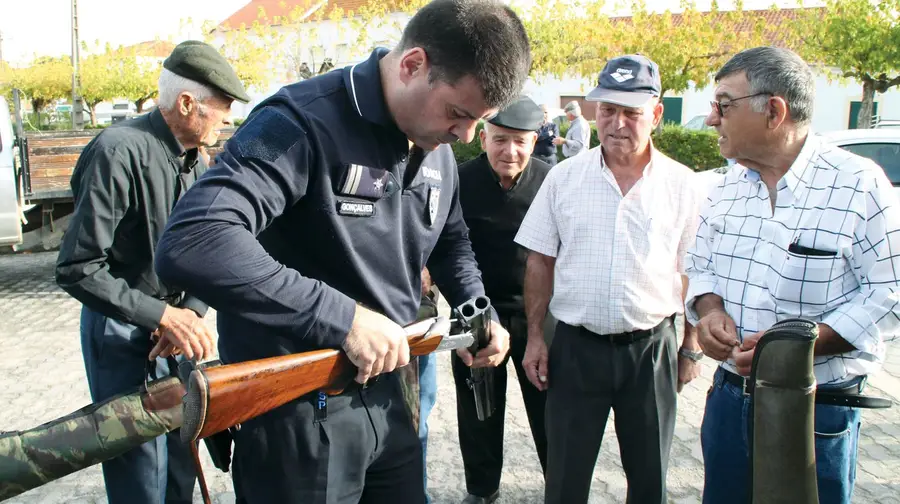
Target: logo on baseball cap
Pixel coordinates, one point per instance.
(629, 81)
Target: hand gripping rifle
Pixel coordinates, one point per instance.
(223, 397)
(475, 315)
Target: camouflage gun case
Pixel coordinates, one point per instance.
(91, 435)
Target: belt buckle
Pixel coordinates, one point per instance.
(744, 386)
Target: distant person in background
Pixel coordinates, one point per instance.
(544, 148)
(578, 138)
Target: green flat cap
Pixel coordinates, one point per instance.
(200, 62)
(522, 114)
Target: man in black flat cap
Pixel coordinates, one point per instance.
(495, 191)
(125, 183)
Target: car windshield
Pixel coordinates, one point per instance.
(884, 153)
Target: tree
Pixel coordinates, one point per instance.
(249, 50)
(100, 77)
(137, 72)
(575, 39)
(691, 46)
(45, 80)
(861, 40)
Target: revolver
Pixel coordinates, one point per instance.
(474, 316)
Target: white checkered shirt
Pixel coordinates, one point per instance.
(831, 201)
(618, 259)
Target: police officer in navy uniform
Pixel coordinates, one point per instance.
(312, 229)
(496, 189)
(126, 182)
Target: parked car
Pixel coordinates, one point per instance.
(879, 145)
(122, 111)
(886, 123)
(698, 122)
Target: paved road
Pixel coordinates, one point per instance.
(42, 378)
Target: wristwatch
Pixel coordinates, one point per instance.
(690, 354)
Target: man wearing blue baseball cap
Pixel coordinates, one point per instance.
(607, 233)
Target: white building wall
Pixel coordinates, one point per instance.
(325, 39)
(831, 112)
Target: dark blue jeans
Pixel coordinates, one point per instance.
(724, 436)
(159, 471)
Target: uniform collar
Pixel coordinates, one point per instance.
(363, 83)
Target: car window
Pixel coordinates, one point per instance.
(885, 154)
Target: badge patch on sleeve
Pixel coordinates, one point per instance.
(364, 182)
(266, 136)
(350, 208)
(434, 203)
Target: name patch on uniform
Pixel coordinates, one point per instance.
(431, 173)
(356, 208)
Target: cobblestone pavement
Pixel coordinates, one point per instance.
(42, 378)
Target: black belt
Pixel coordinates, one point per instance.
(630, 337)
(173, 299)
(850, 395)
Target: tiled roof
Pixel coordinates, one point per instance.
(249, 13)
(771, 19)
(152, 48)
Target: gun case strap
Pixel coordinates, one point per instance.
(851, 400)
(200, 478)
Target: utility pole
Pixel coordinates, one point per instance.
(77, 122)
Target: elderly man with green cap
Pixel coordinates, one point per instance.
(125, 183)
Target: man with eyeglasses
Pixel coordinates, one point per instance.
(607, 232)
(798, 228)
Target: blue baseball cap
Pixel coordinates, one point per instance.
(629, 81)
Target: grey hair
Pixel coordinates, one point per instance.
(171, 85)
(780, 72)
(573, 108)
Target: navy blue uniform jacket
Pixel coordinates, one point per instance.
(287, 232)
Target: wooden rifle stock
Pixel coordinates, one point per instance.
(220, 397)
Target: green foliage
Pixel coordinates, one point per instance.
(464, 152)
(859, 38)
(698, 150)
(576, 38)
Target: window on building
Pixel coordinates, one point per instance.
(672, 109)
(854, 113)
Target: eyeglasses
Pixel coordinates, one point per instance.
(721, 106)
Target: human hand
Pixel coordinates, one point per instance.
(743, 354)
(375, 344)
(535, 362)
(491, 355)
(181, 330)
(717, 334)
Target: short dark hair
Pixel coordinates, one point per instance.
(780, 72)
(481, 38)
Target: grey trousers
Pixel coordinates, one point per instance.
(588, 376)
